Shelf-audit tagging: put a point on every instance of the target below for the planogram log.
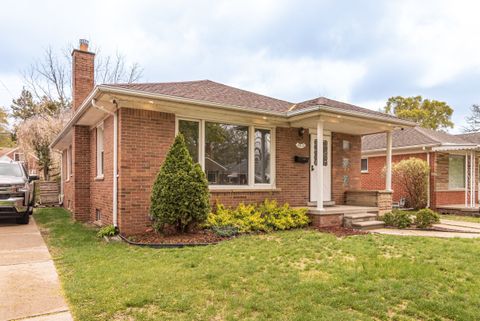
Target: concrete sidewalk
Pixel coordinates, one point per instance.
(29, 284)
(400, 232)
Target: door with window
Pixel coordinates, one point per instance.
(324, 164)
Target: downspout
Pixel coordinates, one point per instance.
(115, 157)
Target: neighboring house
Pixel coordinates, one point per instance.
(15, 154)
(453, 161)
(251, 146)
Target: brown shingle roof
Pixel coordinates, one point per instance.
(323, 101)
(210, 91)
(411, 137)
(471, 137)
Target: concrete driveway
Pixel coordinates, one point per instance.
(29, 284)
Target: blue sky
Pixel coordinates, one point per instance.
(360, 52)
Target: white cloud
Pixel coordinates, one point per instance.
(297, 79)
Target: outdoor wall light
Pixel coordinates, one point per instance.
(301, 132)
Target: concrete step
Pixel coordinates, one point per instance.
(325, 203)
(368, 225)
(351, 218)
(360, 216)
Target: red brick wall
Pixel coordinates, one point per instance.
(375, 178)
(81, 173)
(145, 138)
(293, 179)
(101, 190)
(442, 195)
(82, 76)
(352, 171)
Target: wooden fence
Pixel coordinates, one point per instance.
(47, 193)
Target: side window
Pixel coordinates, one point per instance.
(364, 165)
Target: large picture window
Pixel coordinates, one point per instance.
(226, 154)
(190, 130)
(456, 171)
(230, 154)
(262, 156)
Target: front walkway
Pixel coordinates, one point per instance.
(458, 229)
(29, 284)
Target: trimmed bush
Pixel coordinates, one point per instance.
(265, 217)
(412, 175)
(397, 218)
(180, 196)
(426, 217)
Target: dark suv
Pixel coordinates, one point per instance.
(16, 191)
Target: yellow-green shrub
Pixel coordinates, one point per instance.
(267, 216)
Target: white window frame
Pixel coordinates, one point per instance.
(100, 148)
(451, 188)
(69, 163)
(19, 157)
(363, 170)
(251, 152)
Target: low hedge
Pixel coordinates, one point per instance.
(423, 218)
(265, 217)
(397, 218)
(426, 218)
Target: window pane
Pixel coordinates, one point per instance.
(190, 130)
(262, 156)
(364, 164)
(226, 154)
(456, 171)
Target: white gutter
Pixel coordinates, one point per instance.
(115, 158)
(287, 114)
(382, 150)
(80, 111)
(455, 147)
(116, 90)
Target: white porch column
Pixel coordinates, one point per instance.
(388, 174)
(320, 164)
(466, 179)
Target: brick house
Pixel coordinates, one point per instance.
(251, 146)
(16, 154)
(453, 161)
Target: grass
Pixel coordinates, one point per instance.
(461, 218)
(293, 275)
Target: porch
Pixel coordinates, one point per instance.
(361, 210)
(459, 209)
(358, 217)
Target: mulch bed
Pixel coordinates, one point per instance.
(340, 231)
(191, 238)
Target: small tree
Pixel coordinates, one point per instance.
(412, 174)
(180, 195)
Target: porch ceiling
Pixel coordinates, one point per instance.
(344, 124)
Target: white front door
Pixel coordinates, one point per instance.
(325, 164)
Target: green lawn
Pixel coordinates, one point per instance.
(461, 218)
(296, 275)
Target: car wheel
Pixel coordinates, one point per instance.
(24, 219)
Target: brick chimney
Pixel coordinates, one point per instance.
(83, 64)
